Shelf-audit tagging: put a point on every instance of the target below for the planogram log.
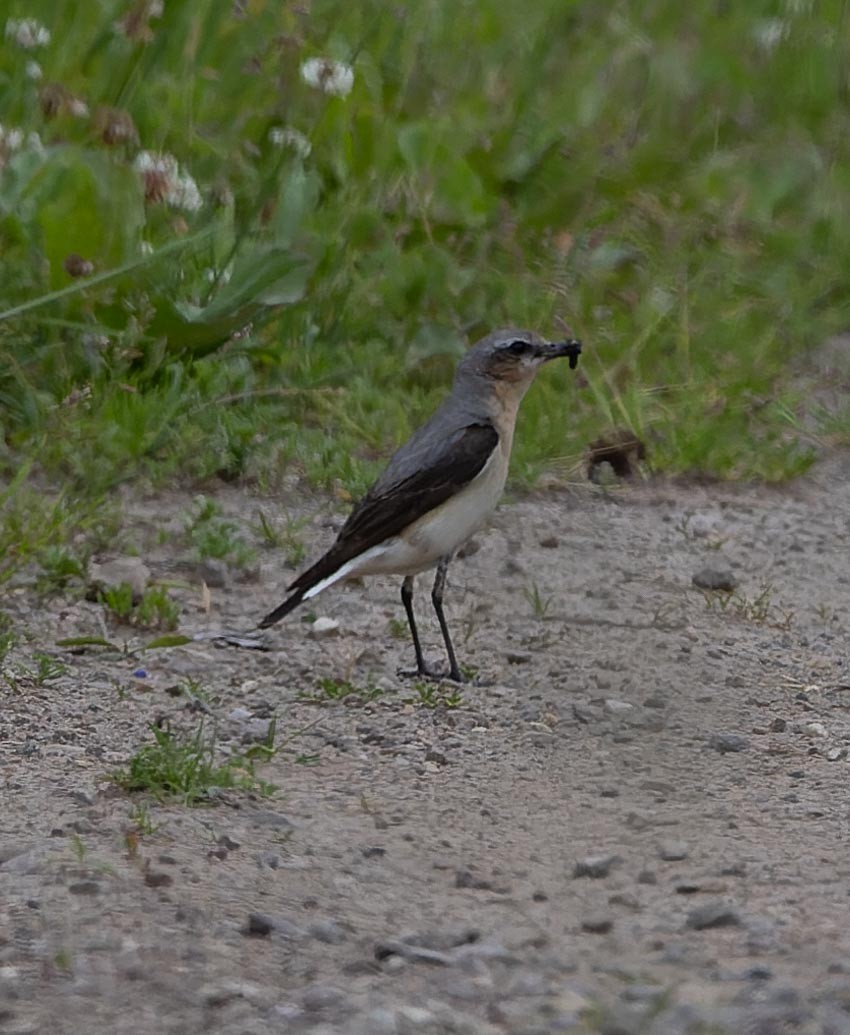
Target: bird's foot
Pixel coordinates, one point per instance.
(441, 676)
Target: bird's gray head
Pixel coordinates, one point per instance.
(513, 356)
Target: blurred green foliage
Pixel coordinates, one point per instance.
(294, 288)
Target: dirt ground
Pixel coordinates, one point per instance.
(638, 825)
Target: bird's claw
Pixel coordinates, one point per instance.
(435, 676)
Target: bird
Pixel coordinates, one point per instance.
(440, 486)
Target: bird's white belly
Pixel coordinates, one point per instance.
(439, 532)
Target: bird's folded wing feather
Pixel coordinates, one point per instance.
(420, 477)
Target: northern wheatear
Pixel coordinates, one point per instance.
(440, 485)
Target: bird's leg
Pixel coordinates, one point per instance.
(407, 600)
(437, 600)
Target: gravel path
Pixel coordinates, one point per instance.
(639, 824)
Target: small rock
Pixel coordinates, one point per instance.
(259, 925)
(84, 887)
(550, 542)
(614, 707)
(158, 879)
(26, 863)
(625, 899)
(327, 931)
(597, 924)
(256, 731)
(727, 743)
(239, 714)
(321, 997)
(387, 951)
(443, 939)
(373, 852)
(672, 851)
(270, 818)
(322, 628)
(713, 914)
(778, 726)
(595, 866)
(518, 657)
(467, 879)
(12, 850)
(82, 797)
(815, 729)
(720, 579)
(417, 1016)
(647, 877)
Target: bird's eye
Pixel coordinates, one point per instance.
(519, 347)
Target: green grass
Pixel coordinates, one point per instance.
(154, 610)
(672, 182)
(332, 691)
(186, 766)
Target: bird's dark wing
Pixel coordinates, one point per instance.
(396, 502)
(421, 476)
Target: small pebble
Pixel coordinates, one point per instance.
(322, 628)
(594, 866)
(259, 925)
(597, 924)
(713, 914)
(718, 579)
(672, 851)
(727, 743)
(321, 997)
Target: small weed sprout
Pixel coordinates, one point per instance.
(433, 695)
(59, 566)
(332, 690)
(48, 667)
(184, 766)
(118, 600)
(284, 536)
(539, 604)
(142, 820)
(759, 608)
(78, 847)
(155, 610)
(213, 537)
(8, 639)
(398, 628)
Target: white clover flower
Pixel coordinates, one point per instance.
(164, 181)
(27, 33)
(79, 109)
(185, 194)
(33, 71)
(331, 77)
(287, 136)
(11, 139)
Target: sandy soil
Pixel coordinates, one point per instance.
(639, 826)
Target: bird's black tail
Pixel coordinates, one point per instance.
(283, 610)
(322, 569)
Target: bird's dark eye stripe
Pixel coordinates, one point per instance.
(519, 346)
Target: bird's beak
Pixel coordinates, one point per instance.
(555, 349)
